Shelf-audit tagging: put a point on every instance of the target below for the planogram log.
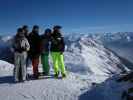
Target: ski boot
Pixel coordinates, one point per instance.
(63, 75)
(56, 75)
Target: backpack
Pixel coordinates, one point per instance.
(20, 44)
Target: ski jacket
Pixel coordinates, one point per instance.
(45, 43)
(57, 42)
(34, 40)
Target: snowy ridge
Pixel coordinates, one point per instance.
(86, 54)
(5, 66)
(6, 38)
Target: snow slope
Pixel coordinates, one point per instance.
(120, 42)
(88, 64)
(5, 68)
(88, 56)
(107, 90)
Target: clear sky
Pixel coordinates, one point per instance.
(74, 15)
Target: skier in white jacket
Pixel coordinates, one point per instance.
(20, 46)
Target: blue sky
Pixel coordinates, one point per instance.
(74, 15)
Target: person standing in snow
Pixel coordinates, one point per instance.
(20, 46)
(35, 52)
(57, 49)
(45, 45)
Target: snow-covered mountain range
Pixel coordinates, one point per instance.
(91, 68)
(113, 37)
(120, 42)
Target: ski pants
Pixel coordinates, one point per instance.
(45, 62)
(35, 63)
(58, 62)
(28, 59)
(20, 66)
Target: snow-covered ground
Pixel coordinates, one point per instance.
(44, 89)
(74, 87)
(90, 71)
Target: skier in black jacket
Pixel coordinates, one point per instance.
(57, 49)
(34, 53)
